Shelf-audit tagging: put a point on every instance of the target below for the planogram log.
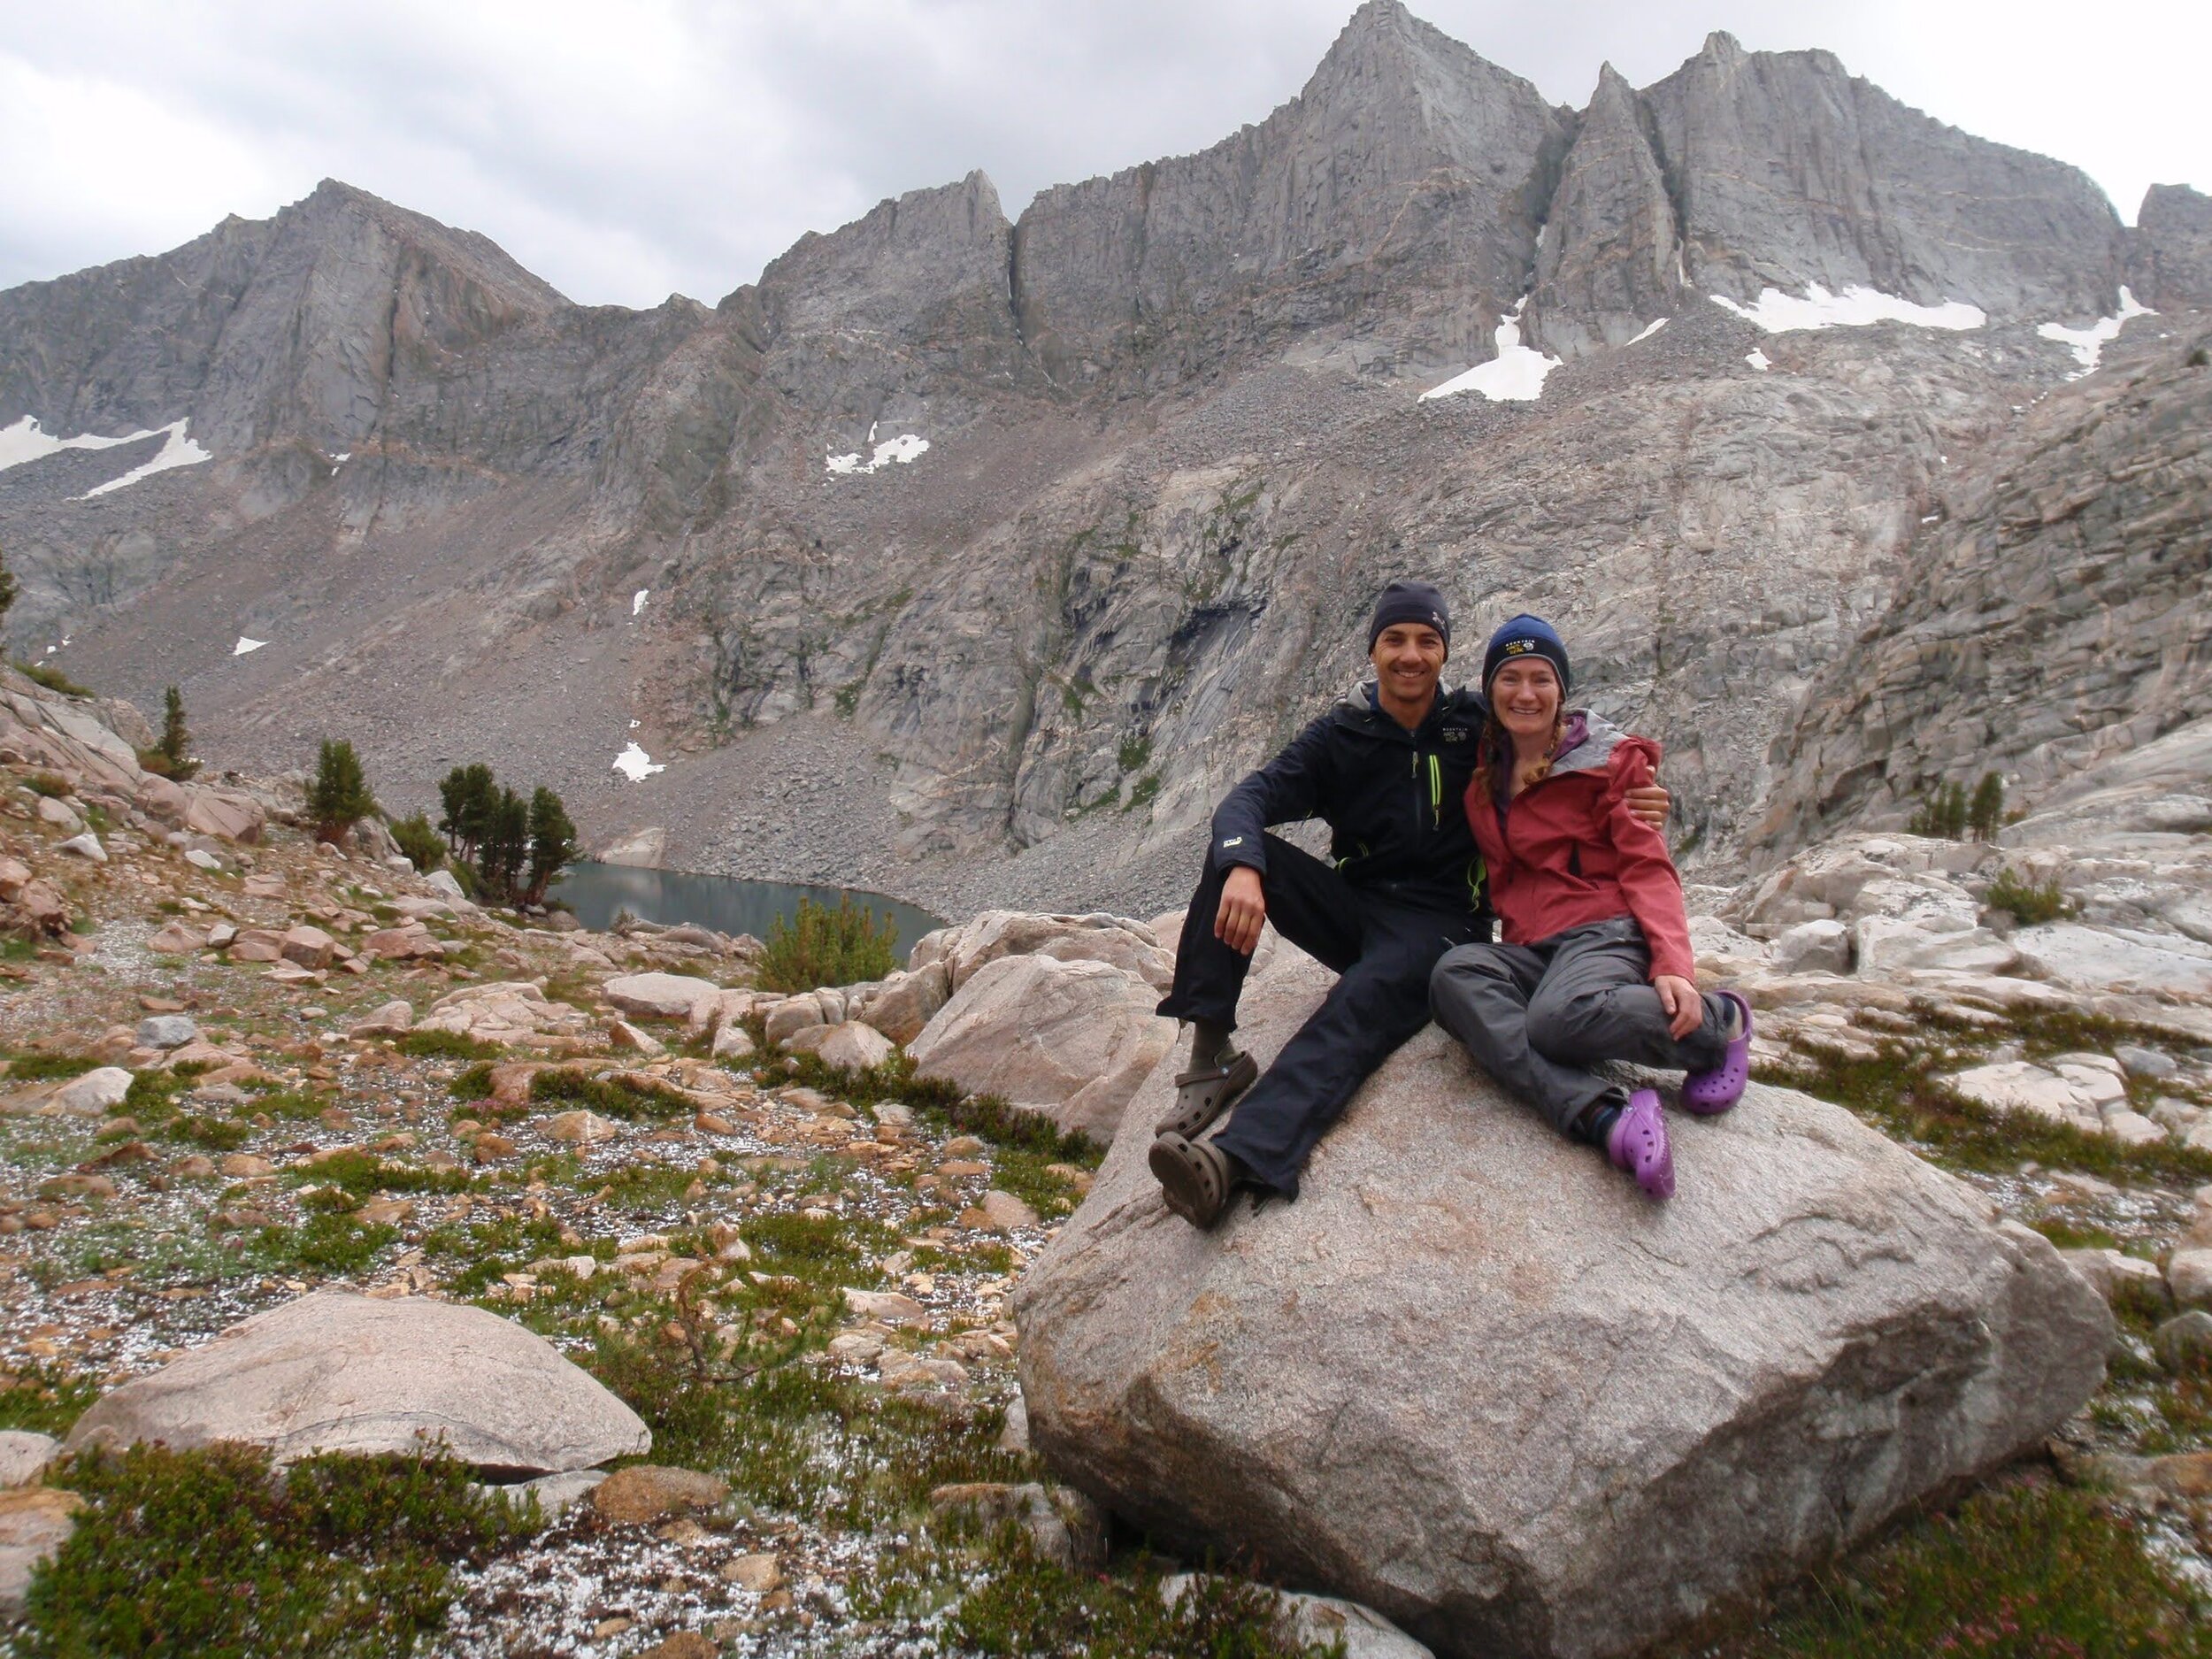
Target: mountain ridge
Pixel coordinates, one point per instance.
(1021, 540)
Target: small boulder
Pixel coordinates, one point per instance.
(2189, 1276)
(647, 1492)
(93, 1093)
(2184, 1338)
(622, 1035)
(733, 1042)
(395, 1018)
(34, 1523)
(1820, 946)
(1007, 1212)
(887, 1306)
(167, 1031)
(759, 1574)
(85, 846)
(24, 1456)
(307, 946)
(1072, 1041)
(659, 995)
(1065, 1527)
(2112, 1273)
(793, 1014)
(1306, 1623)
(854, 1046)
(581, 1128)
(907, 1001)
(334, 1371)
(176, 939)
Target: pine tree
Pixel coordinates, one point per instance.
(552, 843)
(339, 798)
(506, 844)
(1987, 812)
(468, 797)
(175, 747)
(7, 589)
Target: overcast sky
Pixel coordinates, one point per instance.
(627, 150)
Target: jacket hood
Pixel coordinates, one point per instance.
(1592, 749)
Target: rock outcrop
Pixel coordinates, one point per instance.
(1072, 1041)
(2052, 620)
(2170, 257)
(1472, 1381)
(1786, 170)
(338, 1373)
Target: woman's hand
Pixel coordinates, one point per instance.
(1685, 1008)
(1243, 910)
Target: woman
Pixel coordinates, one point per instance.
(1595, 963)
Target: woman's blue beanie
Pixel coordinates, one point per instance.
(1525, 636)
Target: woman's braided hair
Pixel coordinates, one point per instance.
(1497, 754)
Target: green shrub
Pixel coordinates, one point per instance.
(53, 680)
(473, 1084)
(52, 785)
(2020, 1572)
(47, 1068)
(211, 1554)
(339, 798)
(2031, 903)
(821, 946)
(448, 1045)
(44, 1399)
(609, 1097)
(424, 847)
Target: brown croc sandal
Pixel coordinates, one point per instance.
(1194, 1179)
(1202, 1096)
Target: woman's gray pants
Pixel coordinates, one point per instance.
(1538, 1017)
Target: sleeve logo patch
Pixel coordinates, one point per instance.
(1234, 841)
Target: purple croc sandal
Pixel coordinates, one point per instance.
(1709, 1093)
(1637, 1143)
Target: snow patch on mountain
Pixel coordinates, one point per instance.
(905, 448)
(1856, 307)
(26, 441)
(1516, 375)
(635, 765)
(246, 646)
(2088, 344)
(637, 600)
(180, 450)
(1650, 329)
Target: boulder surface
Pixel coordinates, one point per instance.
(1069, 1039)
(337, 1372)
(1472, 1379)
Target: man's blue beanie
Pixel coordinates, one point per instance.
(1411, 602)
(1525, 636)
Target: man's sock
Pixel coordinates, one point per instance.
(1210, 1044)
(1597, 1126)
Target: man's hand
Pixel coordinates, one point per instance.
(1685, 1008)
(1243, 910)
(1649, 803)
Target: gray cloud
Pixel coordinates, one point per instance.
(677, 145)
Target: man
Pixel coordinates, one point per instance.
(1386, 768)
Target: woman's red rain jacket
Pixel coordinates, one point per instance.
(1568, 851)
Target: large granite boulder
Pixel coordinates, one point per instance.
(1070, 1040)
(1474, 1381)
(966, 948)
(337, 1372)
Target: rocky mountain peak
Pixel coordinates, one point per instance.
(1786, 171)
(2171, 259)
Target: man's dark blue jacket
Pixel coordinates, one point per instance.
(1392, 798)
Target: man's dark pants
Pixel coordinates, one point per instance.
(1382, 950)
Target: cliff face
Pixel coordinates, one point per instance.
(1786, 170)
(951, 553)
(1387, 214)
(2170, 258)
(2055, 618)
